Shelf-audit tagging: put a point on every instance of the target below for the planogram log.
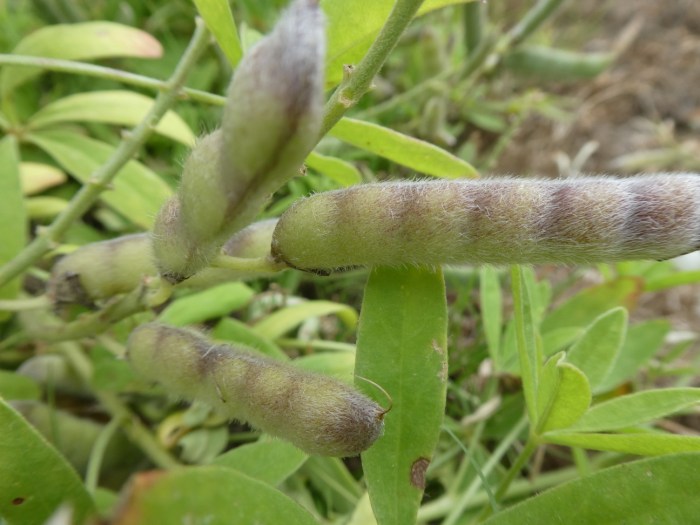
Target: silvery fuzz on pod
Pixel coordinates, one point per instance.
(103, 269)
(271, 122)
(316, 413)
(583, 220)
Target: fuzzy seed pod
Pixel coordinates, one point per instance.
(271, 122)
(103, 269)
(595, 219)
(316, 413)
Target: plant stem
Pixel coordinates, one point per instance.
(108, 73)
(92, 474)
(243, 264)
(532, 20)
(359, 81)
(100, 180)
(473, 24)
(131, 425)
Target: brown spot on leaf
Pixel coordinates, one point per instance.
(418, 472)
(18, 501)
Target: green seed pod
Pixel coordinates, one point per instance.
(273, 112)
(559, 65)
(506, 221)
(316, 413)
(103, 269)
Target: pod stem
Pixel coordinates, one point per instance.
(357, 83)
(244, 264)
(104, 175)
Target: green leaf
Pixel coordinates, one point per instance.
(235, 331)
(658, 490)
(37, 177)
(525, 337)
(340, 365)
(670, 281)
(86, 41)
(338, 170)
(268, 461)
(558, 339)
(213, 303)
(641, 444)
(138, 192)
(219, 20)
(582, 308)
(282, 321)
(597, 350)
(492, 312)
(643, 341)
(402, 347)
(42, 208)
(563, 394)
(212, 495)
(35, 479)
(408, 151)
(13, 216)
(119, 107)
(559, 65)
(352, 27)
(636, 409)
(16, 386)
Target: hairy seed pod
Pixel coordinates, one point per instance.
(595, 219)
(104, 269)
(316, 413)
(273, 111)
(271, 122)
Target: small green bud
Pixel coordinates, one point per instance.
(500, 221)
(316, 413)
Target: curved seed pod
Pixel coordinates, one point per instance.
(104, 269)
(594, 219)
(271, 122)
(317, 413)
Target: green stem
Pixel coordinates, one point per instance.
(103, 176)
(92, 474)
(107, 73)
(131, 424)
(532, 20)
(359, 81)
(473, 24)
(27, 303)
(244, 264)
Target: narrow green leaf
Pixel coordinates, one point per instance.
(408, 151)
(640, 444)
(138, 192)
(672, 280)
(219, 19)
(525, 334)
(558, 339)
(85, 41)
(563, 394)
(657, 490)
(37, 177)
(636, 409)
(582, 308)
(643, 341)
(402, 347)
(597, 350)
(13, 216)
(337, 364)
(558, 65)
(269, 461)
(338, 170)
(42, 208)
(35, 479)
(16, 386)
(282, 321)
(124, 108)
(492, 312)
(213, 303)
(235, 331)
(352, 27)
(211, 494)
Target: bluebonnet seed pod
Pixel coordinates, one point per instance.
(103, 269)
(594, 219)
(316, 413)
(271, 122)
